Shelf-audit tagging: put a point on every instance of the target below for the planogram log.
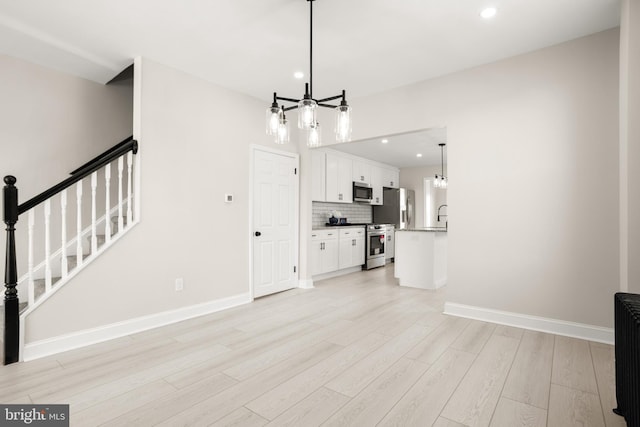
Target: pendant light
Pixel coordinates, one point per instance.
(307, 108)
(441, 180)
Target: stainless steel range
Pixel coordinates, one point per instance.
(376, 238)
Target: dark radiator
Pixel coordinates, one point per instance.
(627, 330)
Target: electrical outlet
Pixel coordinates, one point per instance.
(179, 284)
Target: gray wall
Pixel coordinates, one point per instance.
(528, 139)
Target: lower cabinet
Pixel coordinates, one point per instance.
(351, 248)
(324, 251)
(333, 250)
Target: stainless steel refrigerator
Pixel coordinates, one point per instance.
(398, 208)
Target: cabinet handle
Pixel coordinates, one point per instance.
(322, 245)
(339, 196)
(362, 177)
(392, 183)
(353, 242)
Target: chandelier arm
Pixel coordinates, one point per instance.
(288, 99)
(329, 99)
(293, 107)
(327, 105)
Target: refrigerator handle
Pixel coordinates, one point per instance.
(409, 214)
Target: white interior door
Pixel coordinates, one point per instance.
(275, 183)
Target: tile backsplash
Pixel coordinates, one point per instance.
(354, 212)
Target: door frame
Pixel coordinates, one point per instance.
(296, 220)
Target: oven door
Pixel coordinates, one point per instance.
(375, 245)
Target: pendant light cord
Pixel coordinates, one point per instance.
(311, 48)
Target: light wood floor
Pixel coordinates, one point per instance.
(356, 351)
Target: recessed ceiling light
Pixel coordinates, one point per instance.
(298, 74)
(419, 155)
(488, 12)
(385, 141)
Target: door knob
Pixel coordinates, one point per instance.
(258, 234)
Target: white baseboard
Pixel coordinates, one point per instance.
(305, 284)
(542, 324)
(49, 346)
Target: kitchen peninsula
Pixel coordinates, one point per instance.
(421, 257)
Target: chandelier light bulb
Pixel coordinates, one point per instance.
(273, 120)
(314, 137)
(282, 136)
(306, 113)
(343, 123)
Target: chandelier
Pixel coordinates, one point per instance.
(441, 180)
(278, 124)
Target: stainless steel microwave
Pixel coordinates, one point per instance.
(362, 193)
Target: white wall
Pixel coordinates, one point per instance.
(50, 124)
(195, 147)
(630, 146)
(535, 226)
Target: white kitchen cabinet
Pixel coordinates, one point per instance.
(351, 250)
(390, 178)
(339, 184)
(361, 171)
(376, 184)
(318, 176)
(389, 248)
(324, 251)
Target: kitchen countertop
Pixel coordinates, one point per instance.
(338, 227)
(431, 229)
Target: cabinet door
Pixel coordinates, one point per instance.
(346, 244)
(318, 176)
(339, 187)
(316, 256)
(389, 249)
(330, 255)
(391, 178)
(357, 255)
(376, 185)
(361, 172)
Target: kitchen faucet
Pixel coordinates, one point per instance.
(440, 207)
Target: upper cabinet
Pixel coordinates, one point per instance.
(391, 177)
(333, 174)
(377, 173)
(318, 176)
(362, 171)
(339, 179)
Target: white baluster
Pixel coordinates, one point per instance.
(120, 169)
(47, 246)
(94, 237)
(31, 288)
(107, 215)
(63, 212)
(79, 224)
(129, 186)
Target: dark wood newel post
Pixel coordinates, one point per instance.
(11, 303)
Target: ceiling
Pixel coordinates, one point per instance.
(254, 46)
(400, 150)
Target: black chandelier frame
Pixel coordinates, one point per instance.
(308, 87)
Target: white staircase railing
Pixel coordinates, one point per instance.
(75, 251)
